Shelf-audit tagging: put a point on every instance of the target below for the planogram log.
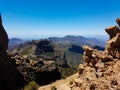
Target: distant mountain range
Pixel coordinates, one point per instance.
(13, 42)
(66, 52)
(78, 40)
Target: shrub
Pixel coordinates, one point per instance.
(31, 86)
(53, 88)
(71, 82)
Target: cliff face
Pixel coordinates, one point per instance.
(101, 69)
(3, 38)
(41, 71)
(10, 78)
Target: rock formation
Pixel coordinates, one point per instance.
(41, 71)
(101, 69)
(3, 38)
(10, 77)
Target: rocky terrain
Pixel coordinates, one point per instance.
(41, 71)
(101, 69)
(66, 57)
(10, 77)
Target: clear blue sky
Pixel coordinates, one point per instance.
(42, 18)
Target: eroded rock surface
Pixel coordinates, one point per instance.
(41, 71)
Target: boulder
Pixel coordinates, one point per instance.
(112, 31)
(41, 71)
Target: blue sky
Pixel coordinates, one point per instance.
(44, 18)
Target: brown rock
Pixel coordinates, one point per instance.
(113, 46)
(118, 21)
(87, 54)
(3, 38)
(88, 50)
(112, 31)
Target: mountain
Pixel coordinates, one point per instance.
(78, 40)
(66, 52)
(66, 56)
(13, 42)
(100, 70)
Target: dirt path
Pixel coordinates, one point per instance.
(60, 84)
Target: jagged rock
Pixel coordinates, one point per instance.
(113, 46)
(41, 71)
(87, 54)
(10, 77)
(118, 21)
(3, 38)
(112, 31)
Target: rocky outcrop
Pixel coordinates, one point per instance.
(41, 71)
(10, 77)
(101, 69)
(3, 38)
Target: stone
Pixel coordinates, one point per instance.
(10, 77)
(3, 38)
(113, 46)
(118, 21)
(112, 31)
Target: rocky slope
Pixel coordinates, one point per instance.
(101, 69)
(67, 57)
(41, 71)
(10, 77)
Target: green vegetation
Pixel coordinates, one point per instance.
(25, 51)
(53, 88)
(65, 72)
(66, 55)
(71, 82)
(31, 86)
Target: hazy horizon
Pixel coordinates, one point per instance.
(48, 18)
(100, 37)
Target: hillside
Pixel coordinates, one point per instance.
(101, 69)
(14, 42)
(78, 40)
(67, 57)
